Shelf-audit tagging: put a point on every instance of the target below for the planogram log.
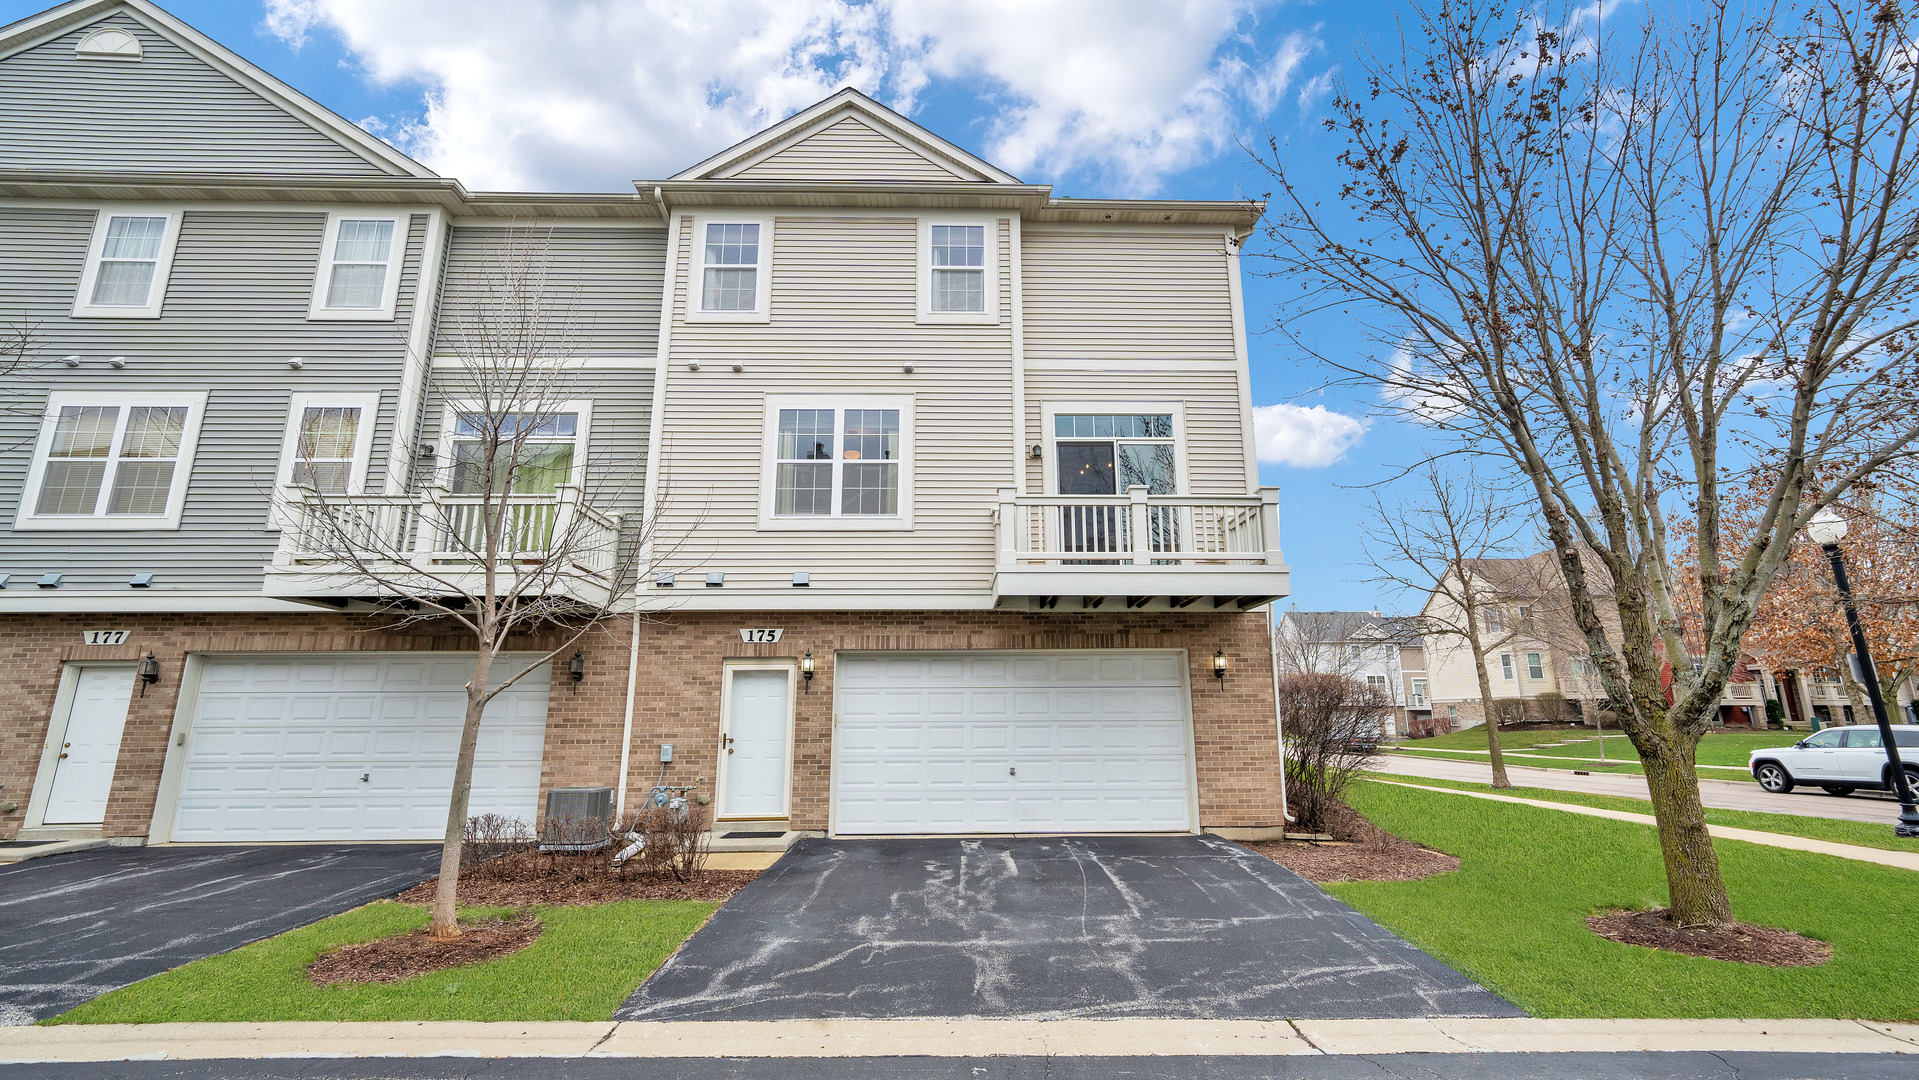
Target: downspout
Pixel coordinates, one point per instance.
(626, 730)
(1279, 722)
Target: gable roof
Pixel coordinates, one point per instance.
(847, 136)
(49, 25)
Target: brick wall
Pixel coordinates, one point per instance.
(677, 691)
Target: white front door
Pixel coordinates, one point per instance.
(89, 747)
(1015, 742)
(753, 765)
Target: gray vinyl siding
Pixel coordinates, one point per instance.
(235, 313)
(848, 150)
(166, 111)
(1137, 314)
(843, 306)
(605, 281)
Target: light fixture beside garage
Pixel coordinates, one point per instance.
(806, 669)
(149, 670)
(576, 667)
(1219, 666)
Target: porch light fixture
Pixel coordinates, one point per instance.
(149, 671)
(576, 667)
(1219, 666)
(806, 668)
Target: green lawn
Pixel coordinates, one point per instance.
(585, 963)
(1513, 915)
(1717, 748)
(1864, 834)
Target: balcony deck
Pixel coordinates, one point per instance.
(1138, 551)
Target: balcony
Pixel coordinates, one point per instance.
(1138, 551)
(432, 542)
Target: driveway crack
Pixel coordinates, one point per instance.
(1303, 1037)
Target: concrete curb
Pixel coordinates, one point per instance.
(942, 1038)
(1904, 860)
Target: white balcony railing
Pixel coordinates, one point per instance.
(1138, 529)
(438, 532)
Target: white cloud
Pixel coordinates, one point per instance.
(592, 94)
(1309, 438)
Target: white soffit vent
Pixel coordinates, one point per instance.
(108, 43)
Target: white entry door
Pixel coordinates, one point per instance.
(931, 742)
(754, 741)
(326, 746)
(89, 747)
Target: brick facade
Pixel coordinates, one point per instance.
(677, 696)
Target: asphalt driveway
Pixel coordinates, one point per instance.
(73, 927)
(1171, 926)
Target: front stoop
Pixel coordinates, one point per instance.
(42, 848)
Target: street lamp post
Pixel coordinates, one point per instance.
(1826, 529)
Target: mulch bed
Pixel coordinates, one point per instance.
(1359, 851)
(1741, 942)
(530, 878)
(403, 957)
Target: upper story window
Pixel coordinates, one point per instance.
(1376, 682)
(549, 446)
(1535, 666)
(731, 260)
(359, 275)
(328, 442)
(1506, 665)
(956, 276)
(1102, 453)
(838, 464)
(1495, 621)
(127, 264)
(112, 461)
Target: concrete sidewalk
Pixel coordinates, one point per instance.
(944, 1038)
(1904, 860)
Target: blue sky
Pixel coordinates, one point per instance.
(1110, 98)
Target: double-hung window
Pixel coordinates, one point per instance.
(112, 461)
(547, 444)
(1506, 665)
(127, 264)
(1535, 666)
(956, 278)
(328, 442)
(838, 463)
(731, 259)
(359, 275)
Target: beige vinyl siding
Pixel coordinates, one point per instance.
(168, 110)
(235, 313)
(843, 321)
(848, 150)
(606, 281)
(1128, 313)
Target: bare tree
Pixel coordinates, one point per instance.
(1438, 545)
(1630, 265)
(507, 536)
(1332, 732)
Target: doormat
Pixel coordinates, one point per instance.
(774, 835)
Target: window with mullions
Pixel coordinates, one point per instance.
(112, 460)
(731, 261)
(1104, 454)
(959, 268)
(546, 452)
(834, 462)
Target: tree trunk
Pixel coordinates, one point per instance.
(1692, 866)
(1492, 724)
(445, 923)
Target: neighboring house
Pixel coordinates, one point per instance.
(1419, 705)
(952, 481)
(1362, 645)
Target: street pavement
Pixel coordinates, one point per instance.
(1517, 1066)
(1719, 794)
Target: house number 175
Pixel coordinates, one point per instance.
(760, 637)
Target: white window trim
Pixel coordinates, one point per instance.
(25, 520)
(696, 272)
(1541, 666)
(991, 272)
(369, 406)
(582, 434)
(84, 308)
(1507, 667)
(1050, 412)
(396, 261)
(835, 522)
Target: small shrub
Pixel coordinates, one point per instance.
(1332, 724)
(488, 838)
(677, 841)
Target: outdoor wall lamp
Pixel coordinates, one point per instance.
(576, 667)
(1219, 666)
(806, 668)
(149, 671)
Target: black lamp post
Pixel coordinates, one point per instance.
(1827, 529)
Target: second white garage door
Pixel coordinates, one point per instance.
(1011, 742)
(332, 747)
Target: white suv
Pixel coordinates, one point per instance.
(1841, 760)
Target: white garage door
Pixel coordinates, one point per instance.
(326, 747)
(1010, 742)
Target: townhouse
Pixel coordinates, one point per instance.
(1364, 646)
(943, 485)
